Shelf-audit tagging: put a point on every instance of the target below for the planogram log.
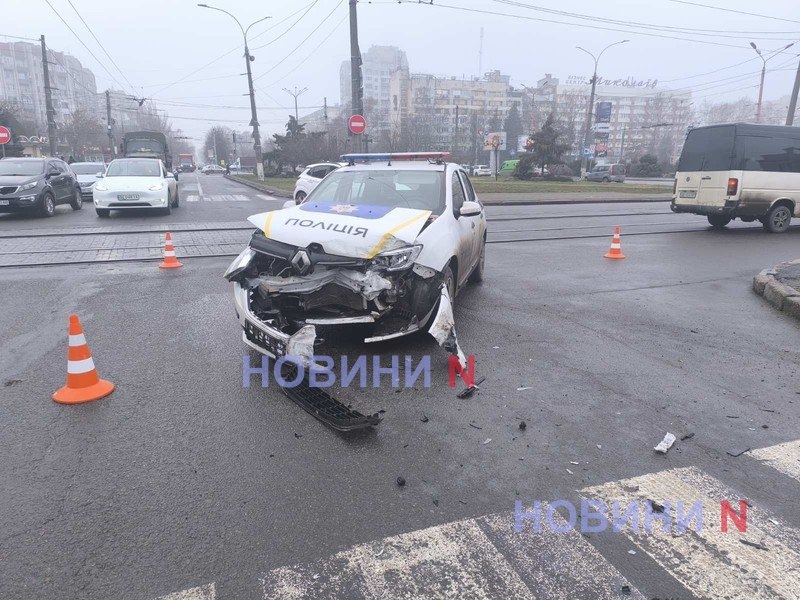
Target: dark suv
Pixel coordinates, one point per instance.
(28, 184)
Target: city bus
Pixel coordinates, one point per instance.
(740, 171)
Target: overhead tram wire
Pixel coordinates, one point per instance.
(272, 41)
(305, 39)
(310, 54)
(103, 48)
(573, 24)
(114, 79)
(731, 10)
(634, 24)
(208, 64)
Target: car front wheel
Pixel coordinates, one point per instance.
(778, 219)
(477, 273)
(48, 207)
(299, 197)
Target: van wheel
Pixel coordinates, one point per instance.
(718, 221)
(778, 219)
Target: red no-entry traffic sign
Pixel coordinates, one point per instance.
(357, 124)
(5, 135)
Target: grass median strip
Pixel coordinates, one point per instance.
(513, 186)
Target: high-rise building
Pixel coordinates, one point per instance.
(22, 83)
(378, 65)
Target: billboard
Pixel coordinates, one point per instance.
(602, 112)
(495, 141)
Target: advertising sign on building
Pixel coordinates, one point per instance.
(602, 112)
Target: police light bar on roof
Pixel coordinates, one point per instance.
(396, 156)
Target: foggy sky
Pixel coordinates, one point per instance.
(156, 43)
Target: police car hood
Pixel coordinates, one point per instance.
(354, 230)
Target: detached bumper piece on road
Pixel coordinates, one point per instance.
(324, 407)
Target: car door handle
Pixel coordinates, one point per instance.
(706, 178)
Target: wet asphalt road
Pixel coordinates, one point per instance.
(183, 477)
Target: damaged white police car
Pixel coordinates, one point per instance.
(386, 241)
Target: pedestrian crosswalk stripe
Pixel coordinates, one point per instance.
(710, 560)
(477, 558)
(265, 197)
(783, 457)
(204, 592)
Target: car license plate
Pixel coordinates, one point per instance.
(4, 202)
(688, 194)
(274, 345)
(127, 196)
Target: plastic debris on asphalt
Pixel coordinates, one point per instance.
(401, 481)
(665, 444)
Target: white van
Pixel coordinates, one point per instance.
(745, 171)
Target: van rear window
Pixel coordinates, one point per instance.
(707, 149)
(768, 153)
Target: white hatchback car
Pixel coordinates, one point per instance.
(310, 178)
(135, 183)
(385, 243)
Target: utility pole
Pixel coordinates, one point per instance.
(793, 101)
(109, 124)
(355, 71)
(764, 72)
(248, 58)
(48, 101)
(455, 144)
(480, 56)
(622, 145)
(296, 94)
(590, 109)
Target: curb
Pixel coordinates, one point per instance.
(260, 187)
(783, 297)
(588, 201)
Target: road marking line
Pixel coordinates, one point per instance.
(709, 560)
(783, 457)
(455, 560)
(204, 592)
(192, 198)
(199, 187)
(265, 197)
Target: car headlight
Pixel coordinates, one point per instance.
(157, 187)
(99, 187)
(397, 260)
(28, 186)
(240, 263)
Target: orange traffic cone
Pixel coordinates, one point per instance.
(616, 247)
(83, 383)
(170, 261)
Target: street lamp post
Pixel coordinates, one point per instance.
(248, 58)
(764, 72)
(588, 127)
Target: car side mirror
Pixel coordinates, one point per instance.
(470, 209)
(53, 173)
(99, 175)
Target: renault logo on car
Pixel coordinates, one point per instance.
(301, 262)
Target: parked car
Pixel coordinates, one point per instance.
(87, 174)
(310, 177)
(136, 183)
(212, 170)
(37, 184)
(482, 171)
(384, 245)
(607, 173)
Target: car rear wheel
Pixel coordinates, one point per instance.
(48, 207)
(477, 273)
(778, 219)
(77, 202)
(605, 179)
(718, 221)
(102, 212)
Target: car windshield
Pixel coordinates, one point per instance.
(21, 167)
(86, 168)
(134, 168)
(401, 188)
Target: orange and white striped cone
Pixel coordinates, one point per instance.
(616, 247)
(170, 260)
(83, 382)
